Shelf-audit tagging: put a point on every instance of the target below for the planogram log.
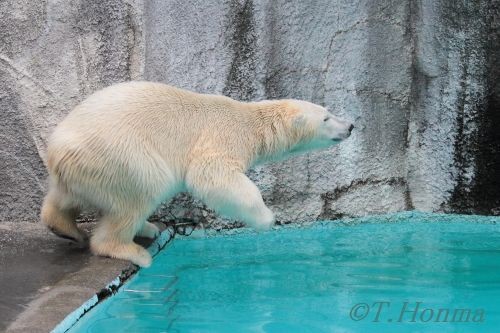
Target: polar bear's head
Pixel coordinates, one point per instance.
(315, 127)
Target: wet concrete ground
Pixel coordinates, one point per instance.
(43, 278)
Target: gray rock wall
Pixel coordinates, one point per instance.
(418, 78)
(454, 138)
(52, 55)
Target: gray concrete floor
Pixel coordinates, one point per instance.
(43, 278)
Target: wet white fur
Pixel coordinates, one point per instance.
(131, 146)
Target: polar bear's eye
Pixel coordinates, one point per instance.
(326, 119)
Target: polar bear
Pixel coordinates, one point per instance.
(129, 147)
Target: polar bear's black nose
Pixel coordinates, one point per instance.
(351, 128)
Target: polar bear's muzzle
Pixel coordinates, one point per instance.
(345, 134)
(339, 129)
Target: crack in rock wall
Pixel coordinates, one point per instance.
(419, 79)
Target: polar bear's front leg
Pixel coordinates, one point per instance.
(114, 234)
(231, 194)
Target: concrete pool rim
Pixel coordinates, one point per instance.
(70, 320)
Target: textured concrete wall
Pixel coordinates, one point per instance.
(52, 55)
(417, 77)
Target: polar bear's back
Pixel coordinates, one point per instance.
(138, 136)
(153, 109)
(113, 140)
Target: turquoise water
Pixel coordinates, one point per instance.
(403, 275)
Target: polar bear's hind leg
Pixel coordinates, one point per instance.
(59, 213)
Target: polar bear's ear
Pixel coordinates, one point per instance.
(299, 120)
(294, 113)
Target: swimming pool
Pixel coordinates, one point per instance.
(409, 272)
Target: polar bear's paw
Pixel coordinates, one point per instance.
(263, 226)
(79, 237)
(141, 258)
(149, 230)
(264, 220)
(130, 251)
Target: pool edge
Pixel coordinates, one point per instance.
(111, 288)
